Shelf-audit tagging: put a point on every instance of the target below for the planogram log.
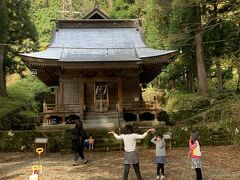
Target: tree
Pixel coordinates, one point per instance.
(219, 30)
(123, 10)
(2, 74)
(202, 75)
(3, 30)
(21, 35)
(18, 33)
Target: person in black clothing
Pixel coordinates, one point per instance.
(78, 138)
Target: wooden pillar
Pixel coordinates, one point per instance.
(138, 116)
(120, 97)
(81, 92)
(61, 93)
(155, 122)
(44, 112)
(56, 95)
(62, 99)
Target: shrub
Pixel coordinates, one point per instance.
(23, 140)
(163, 116)
(20, 107)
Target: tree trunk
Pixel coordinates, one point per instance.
(191, 80)
(219, 76)
(3, 91)
(238, 83)
(217, 53)
(202, 75)
(185, 77)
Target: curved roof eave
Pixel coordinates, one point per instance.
(99, 55)
(49, 54)
(145, 53)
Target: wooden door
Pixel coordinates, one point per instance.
(101, 97)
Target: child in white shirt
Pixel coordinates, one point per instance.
(130, 156)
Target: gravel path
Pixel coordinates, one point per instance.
(219, 163)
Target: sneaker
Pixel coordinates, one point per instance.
(162, 177)
(158, 177)
(74, 164)
(85, 161)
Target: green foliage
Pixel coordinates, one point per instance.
(182, 101)
(222, 114)
(180, 135)
(42, 12)
(232, 128)
(3, 21)
(24, 90)
(163, 116)
(123, 10)
(23, 140)
(20, 105)
(20, 34)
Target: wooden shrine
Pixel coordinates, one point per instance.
(97, 67)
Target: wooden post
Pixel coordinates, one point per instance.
(138, 116)
(120, 98)
(62, 100)
(81, 91)
(44, 112)
(60, 92)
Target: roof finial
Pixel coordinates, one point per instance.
(96, 5)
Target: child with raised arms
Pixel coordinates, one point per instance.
(130, 156)
(160, 154)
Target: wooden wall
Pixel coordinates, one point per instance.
(71, 93)
(69, 88)
(113, 91)
(89, 94)
(130, 90)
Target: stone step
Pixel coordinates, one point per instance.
(101, 123)
(102, 149)
(100, 113)
(96, 117)
(103, 141)
(219, 138)
(220, 142)
(100, 118)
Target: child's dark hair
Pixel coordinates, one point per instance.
(159, 135)
(128, 129)
(194, 135)
(78, 125)
(90, 135)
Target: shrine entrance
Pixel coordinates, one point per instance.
(101, 96)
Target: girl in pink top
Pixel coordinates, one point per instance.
(90, 142)
(195, 153)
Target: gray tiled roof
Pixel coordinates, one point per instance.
(97, 44)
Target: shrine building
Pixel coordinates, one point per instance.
(98, 67)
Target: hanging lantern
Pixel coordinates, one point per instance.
(34, 72)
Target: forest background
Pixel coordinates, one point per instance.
(200, 88)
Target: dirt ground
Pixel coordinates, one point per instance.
(219, 163)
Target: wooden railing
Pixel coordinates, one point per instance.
(127, 106)
(48, 108)
(147, 105)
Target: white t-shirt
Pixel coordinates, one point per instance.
(130, 140)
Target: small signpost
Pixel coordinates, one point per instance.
(40, 142)
(168, 138)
